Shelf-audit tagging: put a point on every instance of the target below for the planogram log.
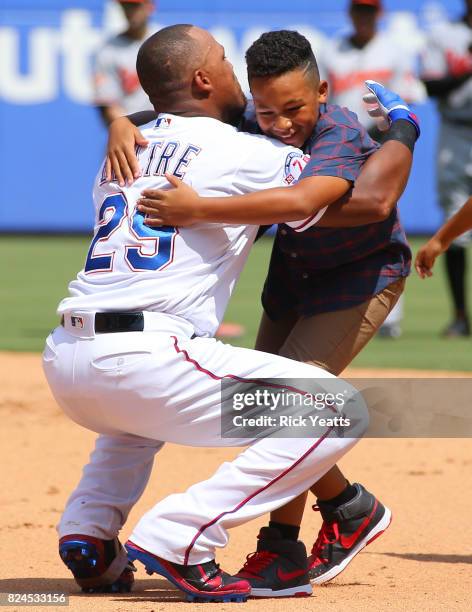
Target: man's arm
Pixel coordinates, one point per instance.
(378, 187)
(108, 92)
(444, 70)
(109, 113)
(458, 224)
(385, 175)
(441, 87)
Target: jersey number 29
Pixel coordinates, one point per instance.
(113, 213)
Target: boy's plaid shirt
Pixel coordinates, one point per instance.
(327, 269)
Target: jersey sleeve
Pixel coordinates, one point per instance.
(106, 81)
(268, 164)
(405, 81)
(433, 59)
(339, 150)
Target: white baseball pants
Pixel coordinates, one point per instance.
(141, 389)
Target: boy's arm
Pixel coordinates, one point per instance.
(300, 201)
(182, 206)
(123, 137)
(458, 224)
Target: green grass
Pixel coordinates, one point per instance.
(35, 274)
(37, 270)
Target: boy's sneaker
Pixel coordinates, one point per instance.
(98, 566)
(202, 582)
(279, 567)
(346, 530)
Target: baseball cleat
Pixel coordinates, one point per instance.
(203, 582)
(458, 328)
(346, 530)
(98, 566)
(390, 330)
(278, 568)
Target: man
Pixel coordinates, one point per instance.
(117, 88)
(327, 290)
(368, 53)
(439, 243)
(447, 73)
(134, 358)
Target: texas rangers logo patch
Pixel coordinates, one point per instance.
(163, 122)
(294, 165)
(77, 322)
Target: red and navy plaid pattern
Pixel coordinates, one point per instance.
(327, 269)
(339, 145)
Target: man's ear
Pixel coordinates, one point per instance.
(323, 92)
(202, 82)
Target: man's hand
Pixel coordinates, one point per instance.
(386, 107)
(176, 207)
(121, 162)
(426, 257)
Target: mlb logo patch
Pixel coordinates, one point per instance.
(294, 164)
(77, 322)
(163, 122)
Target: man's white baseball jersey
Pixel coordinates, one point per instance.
(186, 272)
(449, 46)
(347, 67)
(138, 389)
(116, 80)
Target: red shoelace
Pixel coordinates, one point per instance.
(328, 534)
(258, 561)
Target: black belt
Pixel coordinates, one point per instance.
(116, 322)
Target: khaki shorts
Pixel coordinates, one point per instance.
(329, 340)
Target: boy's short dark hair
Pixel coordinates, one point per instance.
(275, 53)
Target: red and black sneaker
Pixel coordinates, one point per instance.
(346, 530)
(98, 566)
(278, 568)
(202, 582)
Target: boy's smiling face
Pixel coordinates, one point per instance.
(287, 105)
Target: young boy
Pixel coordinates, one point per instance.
(328, 289)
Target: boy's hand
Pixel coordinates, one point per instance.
(121, 162)
(387, 106)
(176, 207)
(426, 257)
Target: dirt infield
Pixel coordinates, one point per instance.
(423, 562)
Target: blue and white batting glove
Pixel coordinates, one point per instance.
(386, 107)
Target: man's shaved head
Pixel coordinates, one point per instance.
(183, 69)
(166, 61)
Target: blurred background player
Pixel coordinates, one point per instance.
(117, 88)
(447, 66)
(367, 53)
